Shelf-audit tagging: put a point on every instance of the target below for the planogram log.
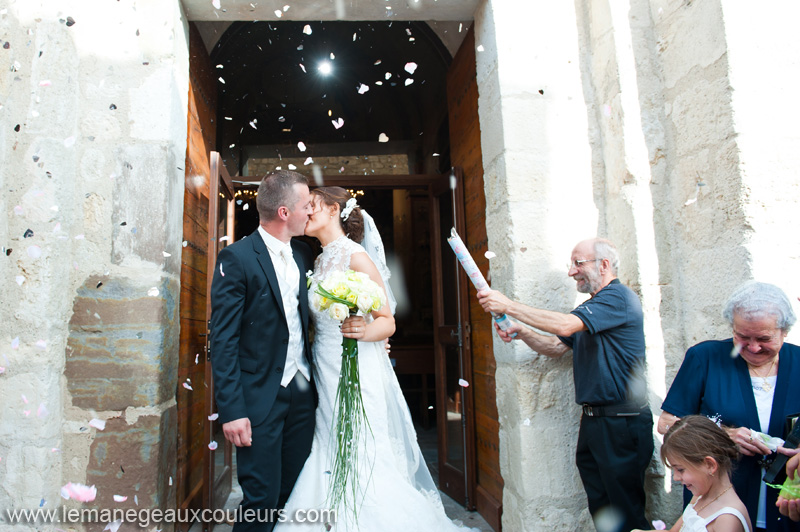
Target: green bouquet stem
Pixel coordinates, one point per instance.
(350, 423)
(790, 489)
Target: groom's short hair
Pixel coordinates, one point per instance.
(277, 190)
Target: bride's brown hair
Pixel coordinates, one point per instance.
(354, 225)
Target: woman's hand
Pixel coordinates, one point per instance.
(665, 421)
(748, 446)
(354, 327)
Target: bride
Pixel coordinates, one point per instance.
(395, 490)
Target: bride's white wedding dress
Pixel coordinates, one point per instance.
(396, 491)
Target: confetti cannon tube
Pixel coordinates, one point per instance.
(474, 274)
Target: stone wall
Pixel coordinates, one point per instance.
(650, 123)
(92, 147)
(389, 164)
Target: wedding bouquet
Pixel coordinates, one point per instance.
(342, 294)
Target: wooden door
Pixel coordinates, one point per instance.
(190, 394)
(465, 152)
(219, 461)
(452, 348)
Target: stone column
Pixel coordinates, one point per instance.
(92, 148)
(540, 198)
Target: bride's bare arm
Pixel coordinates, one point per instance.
(383, 325)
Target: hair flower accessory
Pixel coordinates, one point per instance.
(348, 208)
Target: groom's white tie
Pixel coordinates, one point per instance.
(290, 272)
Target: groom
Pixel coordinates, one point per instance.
(260, 352)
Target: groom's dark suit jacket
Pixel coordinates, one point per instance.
(249, 335)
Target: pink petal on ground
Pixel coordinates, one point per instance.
(79, 492)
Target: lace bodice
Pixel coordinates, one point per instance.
(335, 257)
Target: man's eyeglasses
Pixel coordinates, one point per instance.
(578, 263)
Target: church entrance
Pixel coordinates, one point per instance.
(379, 123)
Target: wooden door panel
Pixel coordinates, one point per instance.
(465, 152)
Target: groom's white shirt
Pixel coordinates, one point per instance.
(295, 361)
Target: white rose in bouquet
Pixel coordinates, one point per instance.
(338, 311)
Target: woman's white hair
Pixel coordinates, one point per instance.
(754, 300)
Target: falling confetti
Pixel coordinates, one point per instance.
(34, 252)
(363, 88)
(480, 48)
(383, 138)
(78, 492)
(212, 446)
(166, 254)
(187, 386)
(246, 206)
(42, 411)
(120, 498)
(658, 524)
(113, 527)
(301, 146)
(221, 80)
(79, 237)
(69, 142)
(224, 238)
(278, 13)
(409, 81)
(185, 243)
(307, 29)
(24, 399)
(99, 424)
(20, 279)
(213, 417)
(308, 161)
(2, 370)
(410, 67)
(153, 292)
(463, 383)
(220, 271)
(387, 76)
(197, 359)
(302, 67)
(45, 83)
(41, 344)
(253, 123)
(15, 343)
(490, 255)
(339, 122)
(527, 422)
(215, 3)
(170, 481)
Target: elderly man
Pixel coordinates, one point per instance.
(606, 335)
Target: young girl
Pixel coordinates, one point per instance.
(700, 455)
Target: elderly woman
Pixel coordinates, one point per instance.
(750, 381)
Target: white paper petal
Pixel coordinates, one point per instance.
(489, 255)
(308, 161)
(166, 254)
(301, 146)
(383, 138)
(15, 343)
(34, 252)
(113, 527)
(480, 48)
(187, 386)
(212, 446)
(120, 498)
(153, 292)
(463, 383)
(41, 344)
(215, 3)
(410, 67)
(220, 271)
(99, 424)
(339, 122)
(213, 417)
(20, 279)
(363, 88)
(307, 29)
